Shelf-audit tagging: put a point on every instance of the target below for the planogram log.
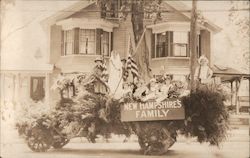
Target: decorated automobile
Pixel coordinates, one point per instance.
(157, 112)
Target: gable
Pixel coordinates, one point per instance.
(90, 11)
(173, 14)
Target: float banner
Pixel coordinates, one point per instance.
(170, 109)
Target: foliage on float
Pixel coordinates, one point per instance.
(206, 116)
(89, 115)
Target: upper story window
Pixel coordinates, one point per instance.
(180, 44)
(111, 9)
(86, 42)
(170, 44)
(162, 45)
(105, 40)
(68, 42)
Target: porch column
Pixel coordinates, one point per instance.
(47, 88)
(13, 100)
(231, 83)
(2, 89)
(18, 87)
(236, 96)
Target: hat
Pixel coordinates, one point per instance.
(168, 77)
(152, 80)
(98, 59)
(123, 59)
(202, 58)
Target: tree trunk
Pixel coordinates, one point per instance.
(193, 38)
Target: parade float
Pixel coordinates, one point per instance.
(96, 109)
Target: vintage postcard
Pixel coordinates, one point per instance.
(124, 78)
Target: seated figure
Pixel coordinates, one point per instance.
(141, 90)
(153, 90)
(164, 88)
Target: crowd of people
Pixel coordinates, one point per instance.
(156, 89)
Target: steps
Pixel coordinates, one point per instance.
(235, 120)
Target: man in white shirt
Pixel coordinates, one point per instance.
(203, 73)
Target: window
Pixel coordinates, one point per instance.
(162, 45)
(37, 88)
(68, 42)
(87, 41)
(105, 43)
(180, 44)
(172, 44)
(110, 10)
(69, 91)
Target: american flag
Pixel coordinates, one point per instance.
(131, 64)
(104, 70)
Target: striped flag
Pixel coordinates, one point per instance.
(132, 66)
(104, 70)
(141, 57)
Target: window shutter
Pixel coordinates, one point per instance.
(199, 45)
(188, 47)
(152, 45)
(62, 43)
(76, 40)
(111, 43)
(171, 50)
(98, 41)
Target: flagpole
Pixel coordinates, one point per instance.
(139, 42)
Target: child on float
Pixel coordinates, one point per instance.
(141, 90)
(153, 90)
(164, 88)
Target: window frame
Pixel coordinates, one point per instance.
(175, 43)
(76, 48)
(170, 49)
(32, 92)
(88, 40)
(65, 42)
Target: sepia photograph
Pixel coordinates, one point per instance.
(124, 79)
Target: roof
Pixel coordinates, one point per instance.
(27, 68)
(181, 6)
(228, 73)
(177, 5)
(66, 12)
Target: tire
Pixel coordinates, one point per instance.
(39, 140)
(60, 143)
(155, 139)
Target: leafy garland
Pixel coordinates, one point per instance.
(90, 115)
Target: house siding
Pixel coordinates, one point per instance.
(55, 43)
(90, 12)
(120, 36)
(206, 43)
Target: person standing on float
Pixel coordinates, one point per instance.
(100, 86)
(203, 73)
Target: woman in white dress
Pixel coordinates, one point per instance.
(115, 81)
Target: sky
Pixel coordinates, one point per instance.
(28, 43)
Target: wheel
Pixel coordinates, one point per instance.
(39, 140)
(155, 139)
(59, 143)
